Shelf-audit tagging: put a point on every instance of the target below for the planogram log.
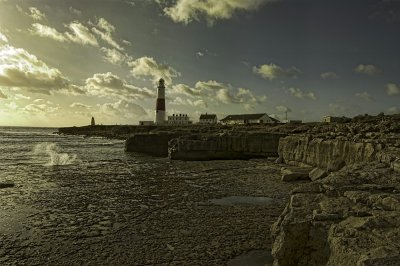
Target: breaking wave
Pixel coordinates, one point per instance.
(54, 153)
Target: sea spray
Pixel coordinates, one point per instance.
(54, 153)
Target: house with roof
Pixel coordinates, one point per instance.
(248, 119)
(179, 120)
(208, 119)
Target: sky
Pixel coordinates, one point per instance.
(64, 61)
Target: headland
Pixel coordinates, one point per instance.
(345, 209)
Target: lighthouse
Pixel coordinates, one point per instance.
(160, 106)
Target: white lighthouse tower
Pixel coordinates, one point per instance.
(160, 107)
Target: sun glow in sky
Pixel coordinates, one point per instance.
(62, 62)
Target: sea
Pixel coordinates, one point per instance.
(75, 200)
(83, 187)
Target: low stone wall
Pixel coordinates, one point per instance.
(150, 144)
(224, 146)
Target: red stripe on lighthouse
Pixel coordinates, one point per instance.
(160, 104)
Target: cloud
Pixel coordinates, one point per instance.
(12, 106)
(35, 109)
(48, 32)
(78, 33)
(2, 95)
(204, 52)
(131, 3)
(113, 56)
(196, 103)
(217, 92)
(283, 109)
(273, 71)
(75, 11)
(298, 93)
(104, 30)
(329, 75)
(20, 69)
(201, 88)
(122, 108)
(369, 70)
(80, 106)
(36, 14)
(393, 110)
(387, 10)
(185, 89)
(365, 96)
(338, 109)
(108, 84)
(242, 96)
(3, 38)
(210, 85)
(105, 25)
(127, 43)
(148, 67)
(21, 96)
(392, 89)
(185, 11)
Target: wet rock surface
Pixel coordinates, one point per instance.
(161, 216)
(351, 217)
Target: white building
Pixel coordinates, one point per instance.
(179, 119)
(208, 119)
(248, 119)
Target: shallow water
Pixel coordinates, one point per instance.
(85, 201)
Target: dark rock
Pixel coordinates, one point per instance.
(7, 185)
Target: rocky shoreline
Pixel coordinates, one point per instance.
(348, 212)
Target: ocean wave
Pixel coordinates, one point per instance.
(55, 156)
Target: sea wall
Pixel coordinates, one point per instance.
(225, 146)
(151, 144)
